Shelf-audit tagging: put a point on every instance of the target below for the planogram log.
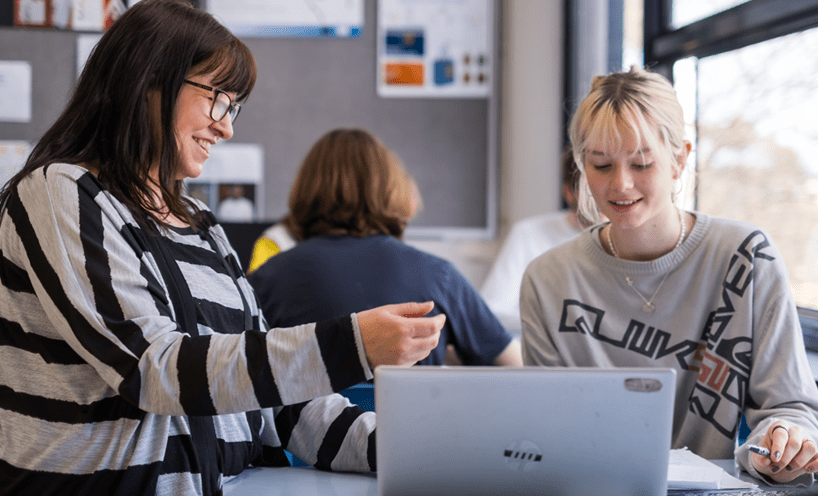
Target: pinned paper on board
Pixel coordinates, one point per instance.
(15, 91)
(232, 182)
(435, 48)
(291, 18)
(85, 45)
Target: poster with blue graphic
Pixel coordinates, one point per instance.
(290, 18)
(435, 48)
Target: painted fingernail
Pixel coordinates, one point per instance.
(777, 455)
(789, 469)
(810, 469)
(774, 468)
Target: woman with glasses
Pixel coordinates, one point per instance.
(133, 356)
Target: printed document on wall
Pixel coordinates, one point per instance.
(290, 18)
(435, 48)
(15, 91)
(232, 182)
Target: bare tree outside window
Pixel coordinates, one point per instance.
(757, 145)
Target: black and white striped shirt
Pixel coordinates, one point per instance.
(105, 388)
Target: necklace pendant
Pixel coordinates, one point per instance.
(648, 308)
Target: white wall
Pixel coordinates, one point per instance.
(531, 108)
(530, 127)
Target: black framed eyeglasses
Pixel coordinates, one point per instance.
(222, 104)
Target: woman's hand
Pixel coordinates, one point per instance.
(791, 453)
(399, 334)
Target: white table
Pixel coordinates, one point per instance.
(307, 481)
(301, 481)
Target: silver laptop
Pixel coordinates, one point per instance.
(533, 430)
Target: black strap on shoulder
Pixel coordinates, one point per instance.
(202, 430)
(179, 292)
(248, 317)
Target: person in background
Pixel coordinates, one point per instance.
(349, 206)
(273, 240)
(279, 237)
(659, 286)
(134, 357)
(527, 239)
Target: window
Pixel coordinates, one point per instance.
(747, 76)
(689, 11)
(758, 147)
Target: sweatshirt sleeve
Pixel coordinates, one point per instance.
(781, 384)
(101, 290)
(537, 345)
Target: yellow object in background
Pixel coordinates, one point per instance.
(273, 241)
(262, 251)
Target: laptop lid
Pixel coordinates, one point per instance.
(531, 430)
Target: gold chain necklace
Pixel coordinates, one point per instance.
(649, 307)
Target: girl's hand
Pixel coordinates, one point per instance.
(791, 453)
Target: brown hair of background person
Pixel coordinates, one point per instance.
(367, 191)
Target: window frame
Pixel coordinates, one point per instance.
(752, 22)
(746, 24)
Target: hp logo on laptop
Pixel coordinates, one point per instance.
(522, 455)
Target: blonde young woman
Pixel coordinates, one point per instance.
(658, 286)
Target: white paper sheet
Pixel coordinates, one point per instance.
(15, 91)
(687, 470)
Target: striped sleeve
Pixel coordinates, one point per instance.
(104, 295)
(330, 433)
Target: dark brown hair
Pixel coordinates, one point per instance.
(350, 183)
(155, 45)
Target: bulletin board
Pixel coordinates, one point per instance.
(308, 86)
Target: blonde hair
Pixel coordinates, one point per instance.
(636, 103)
(350, 183)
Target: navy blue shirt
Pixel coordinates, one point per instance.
(334, 275)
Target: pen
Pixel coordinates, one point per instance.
(758, 449)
